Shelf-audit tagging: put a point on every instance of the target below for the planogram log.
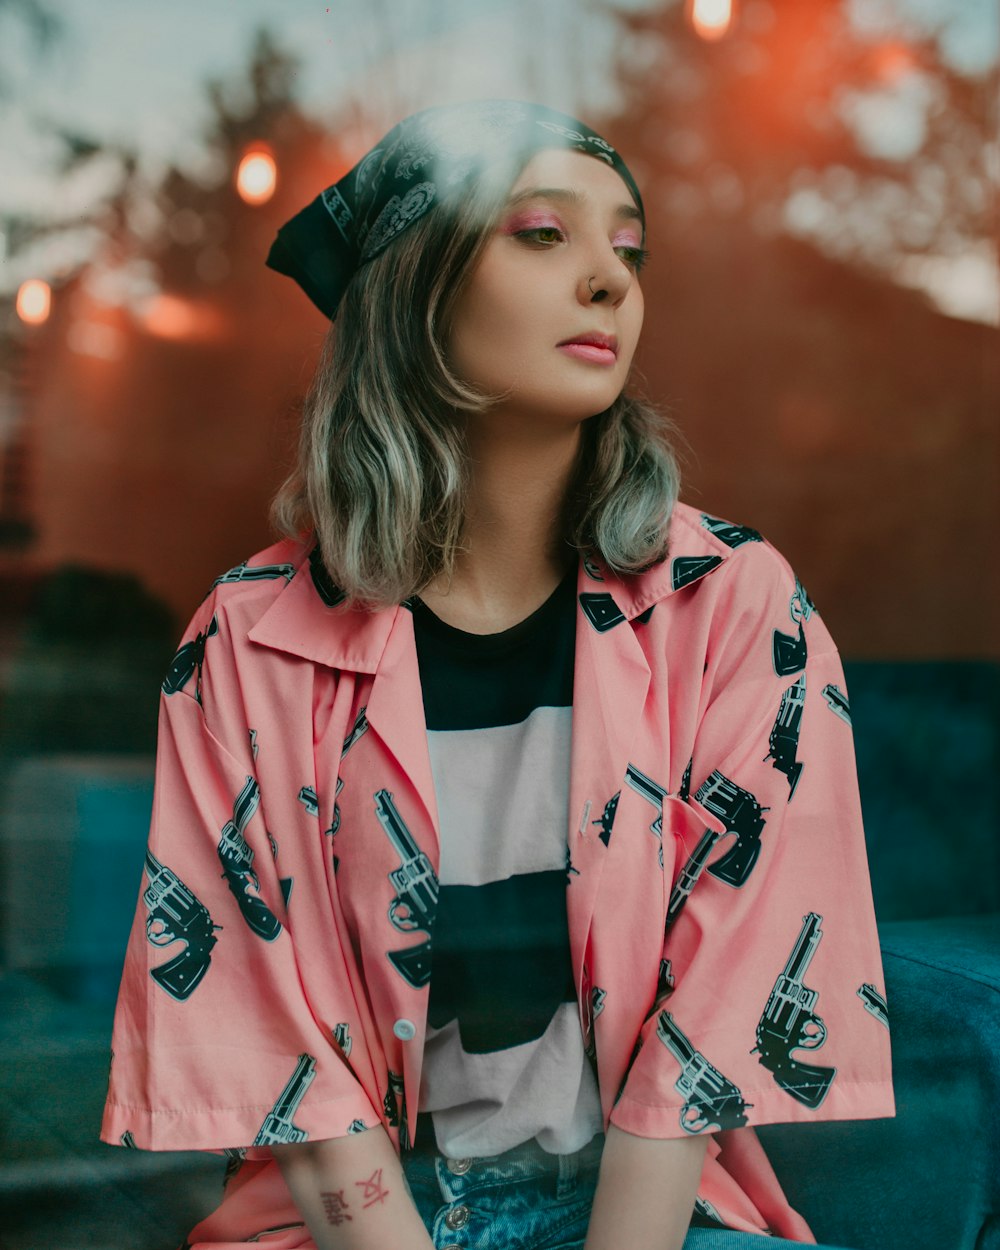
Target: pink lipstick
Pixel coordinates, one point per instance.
(600, 349)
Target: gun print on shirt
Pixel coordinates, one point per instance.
(394, 1106)
(784, 740)
(836, 701)
(709, 1097)
(789, 651)
(790, 1023)
(235, 1158)
(874, 1003)
(601, 610)
(684, 790)
(189, 659)
(606, 820)
(310, 801)
(743, 816)
(688, 876)
(236, 857)
(593, 999)
(417, 891)
(687, 569)
(175, 914)
(279, 1126)
(731, 535)
(286, 883)
(654, 794)
(254, 573)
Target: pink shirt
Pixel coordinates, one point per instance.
(290, 880)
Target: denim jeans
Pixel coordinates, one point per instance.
(528, 1199)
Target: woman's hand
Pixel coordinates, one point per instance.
(351, 1193)
(645, 1192)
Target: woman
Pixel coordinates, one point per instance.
(497, 690)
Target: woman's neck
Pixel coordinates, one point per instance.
(512, 557)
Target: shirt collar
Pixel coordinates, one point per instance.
(304, 619)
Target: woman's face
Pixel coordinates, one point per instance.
(562, 264)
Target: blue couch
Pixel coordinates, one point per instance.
(929, 1179)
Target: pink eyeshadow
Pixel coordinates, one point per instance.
(529, 221)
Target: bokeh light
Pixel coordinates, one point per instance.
(711, 19)
(256, 176)
(34, 301)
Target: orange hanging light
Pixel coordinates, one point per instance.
(710, 19)
(34, 301)
(256, 175)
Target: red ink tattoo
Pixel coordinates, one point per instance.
(372, 1189)
(335, 1206)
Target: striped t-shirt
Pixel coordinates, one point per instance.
(504, 1061)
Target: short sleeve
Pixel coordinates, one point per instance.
(771, 1003)
(215, 1044)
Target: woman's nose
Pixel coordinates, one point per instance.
(607, 282)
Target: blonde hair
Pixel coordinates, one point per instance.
(382, 475)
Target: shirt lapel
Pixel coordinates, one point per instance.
(611, 680)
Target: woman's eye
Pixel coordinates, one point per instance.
(635, 257)
(541, 230)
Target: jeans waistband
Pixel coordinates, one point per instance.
(457, 1177)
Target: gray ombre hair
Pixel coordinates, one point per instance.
(382, 474)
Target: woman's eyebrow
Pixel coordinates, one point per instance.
(627, 212)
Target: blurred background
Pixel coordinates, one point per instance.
(822, 306)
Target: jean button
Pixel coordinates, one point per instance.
(457, 1217)
(458, 1167)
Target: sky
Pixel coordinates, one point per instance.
(131, 71)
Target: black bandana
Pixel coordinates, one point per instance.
(424, 160)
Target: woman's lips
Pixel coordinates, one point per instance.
(589, 351)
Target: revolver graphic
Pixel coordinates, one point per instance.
(789, 1023)
(278, 1127)
(607, 817)
(837, 701)
(654, 794)
(176, 915)
(731, 535)
(394, 1106)
(688, 876)
(741, 814)
(784, 740)
(874, 1002)
(189, 657)
(416, 886)
(236, 858)
(710, 1097)
(254, 573)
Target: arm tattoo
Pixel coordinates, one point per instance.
(335, 1206)
(372, 1190)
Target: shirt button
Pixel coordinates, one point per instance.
(457, 1217)
(405, 1030)
(452, 1245)
(458, 1167)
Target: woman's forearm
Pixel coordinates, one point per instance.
(645, 1192)
(351, 1193)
